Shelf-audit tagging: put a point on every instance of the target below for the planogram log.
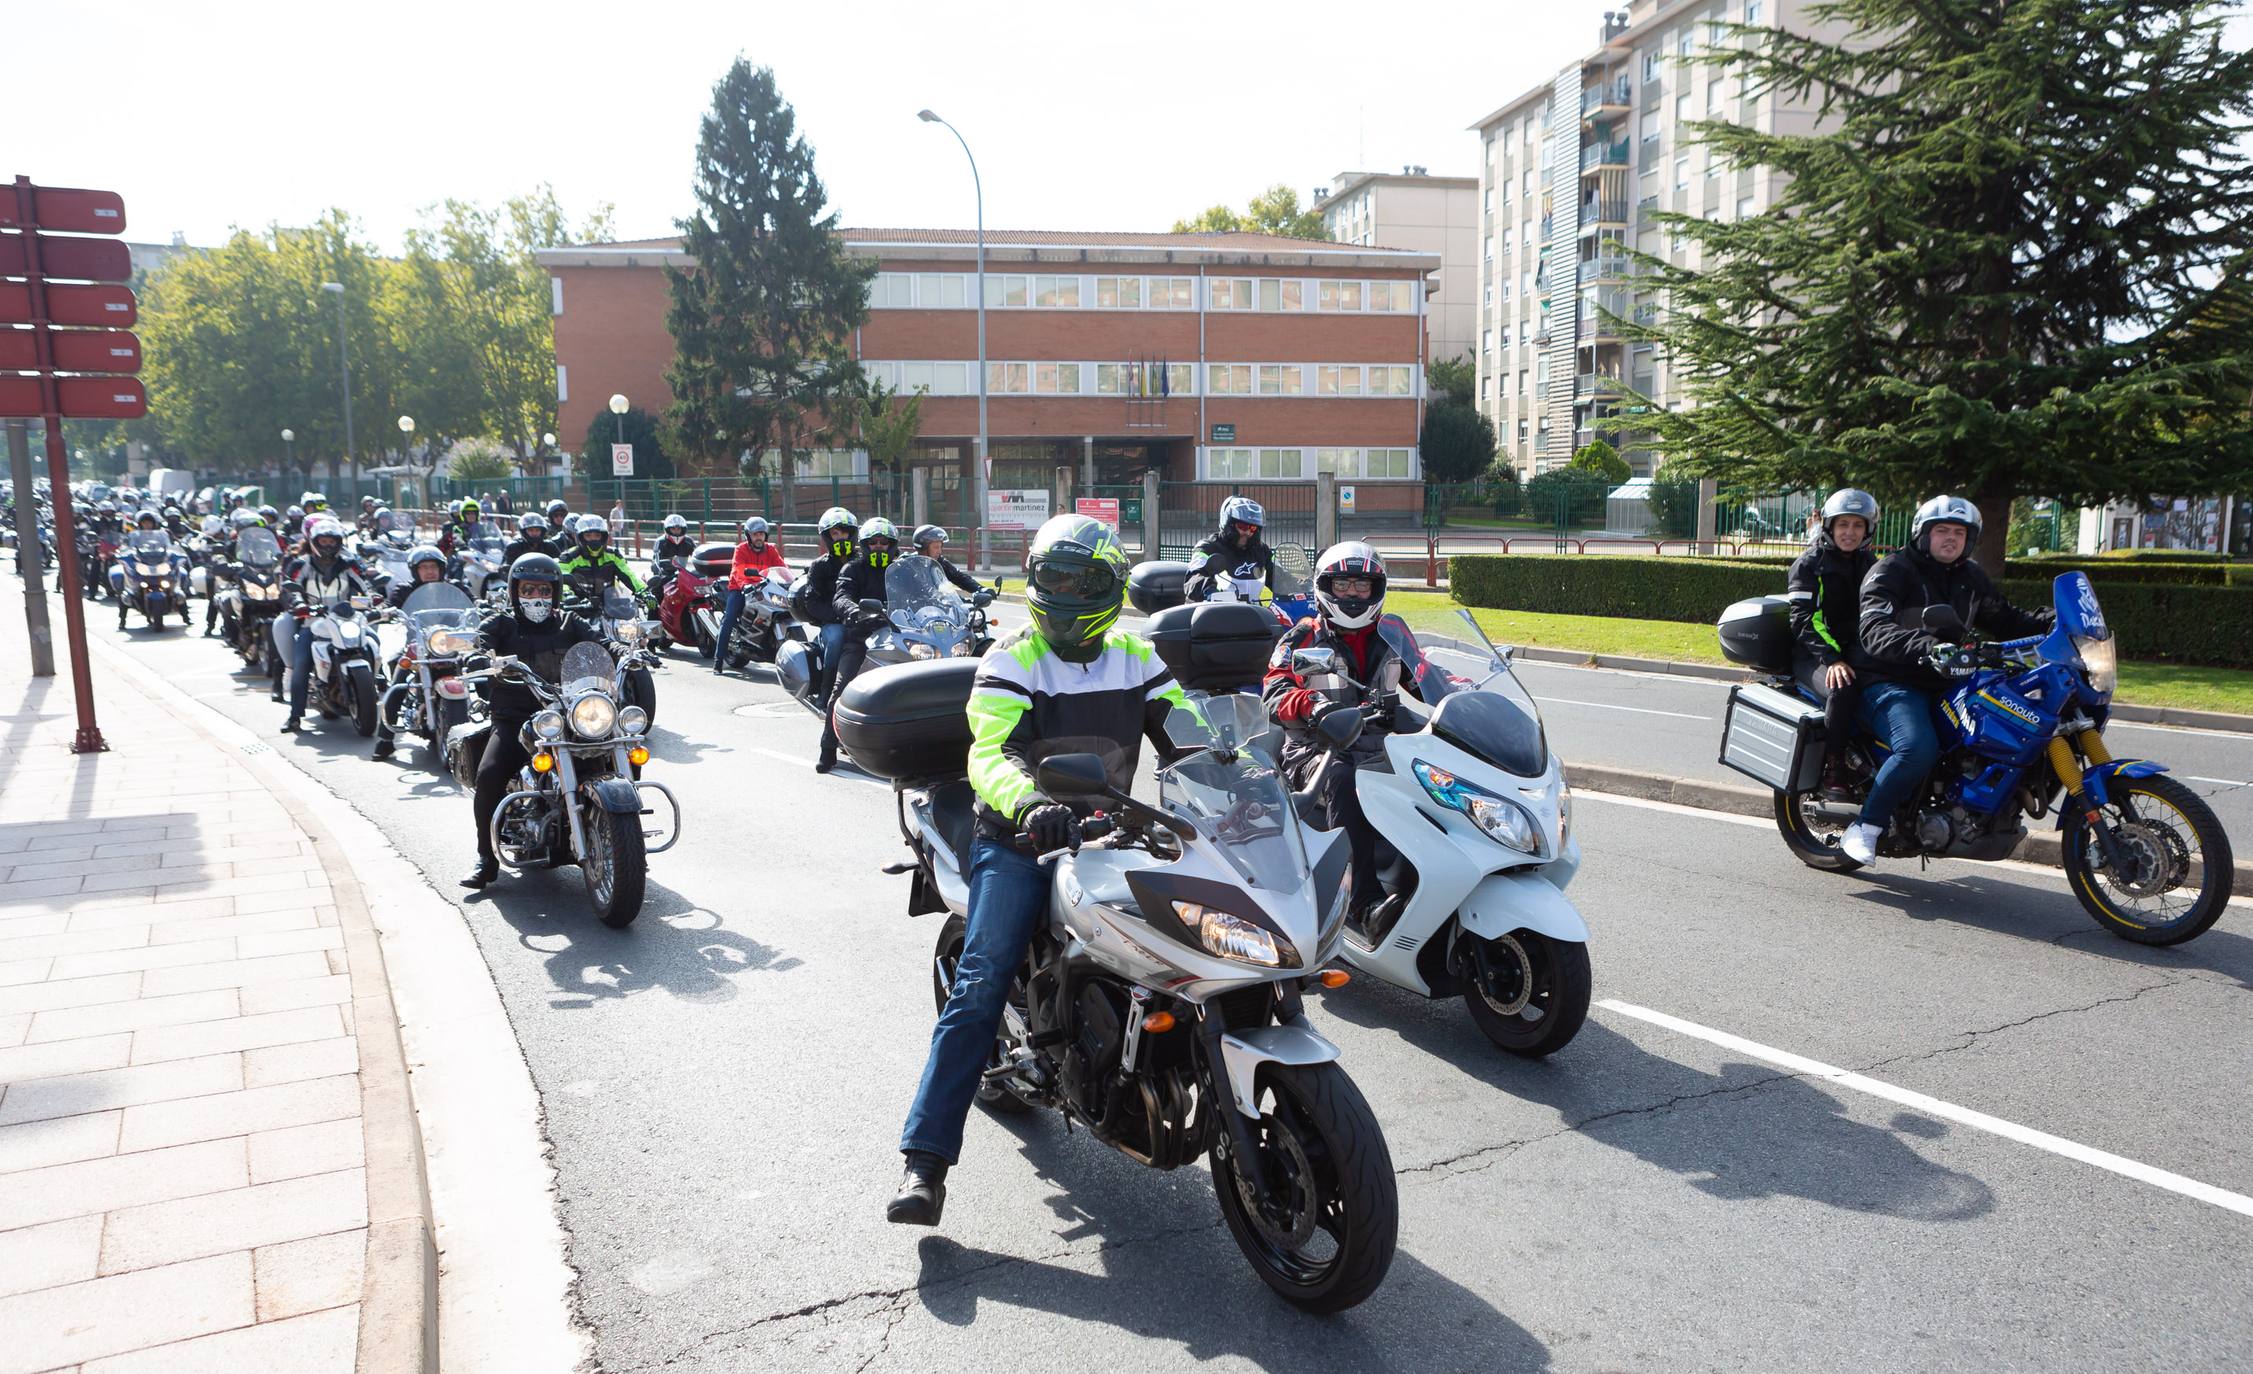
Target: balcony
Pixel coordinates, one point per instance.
(1599, 329)
(1646, 315)
(1596, 157)
(1646, 204)
(1606, 269)
(1604, 99)
(1602, 212)
(1597, 384)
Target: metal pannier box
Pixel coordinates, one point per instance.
(1773, 737)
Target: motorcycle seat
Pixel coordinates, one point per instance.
(466, 732)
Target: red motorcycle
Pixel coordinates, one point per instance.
(694, 597)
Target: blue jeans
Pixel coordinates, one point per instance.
(1008, 899)
(300, 668)
(728, 617)
(1902, 718)
(832, 643)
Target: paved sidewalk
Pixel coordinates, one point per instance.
(188, 1110)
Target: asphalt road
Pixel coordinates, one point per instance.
(724, 1084)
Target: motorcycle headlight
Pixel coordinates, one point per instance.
(548, 725)
(1233, 937)
(921, 651)
(2101, 659)
(633, 720)
(629, 631)
(447, 643)
(592, 715)
(1502, 821)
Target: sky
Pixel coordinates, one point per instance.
(219, 113)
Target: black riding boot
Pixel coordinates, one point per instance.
(923, 1191)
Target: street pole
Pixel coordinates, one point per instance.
(27, 551)
(978, 473)
(344, 371)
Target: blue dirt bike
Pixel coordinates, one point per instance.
(2021, 737)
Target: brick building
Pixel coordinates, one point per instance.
(1217, 359)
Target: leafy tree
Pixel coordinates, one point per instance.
(882, 420)
(759, 323)
(1457, 442)
(1603, 460)
(652, 452)
(481, 460)
(1458, 377)
(1275, 210)
(1567, 499)
(2011, 262)
(1674, 503)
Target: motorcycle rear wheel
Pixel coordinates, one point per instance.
(1320, 1141)
(1815, 847)
(1538, 997)
(704, 645)
(994, 1097)
(2168, 819)
(450, 714)
(616, 864)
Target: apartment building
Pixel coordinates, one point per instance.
(1415, 210)
(1570, 172)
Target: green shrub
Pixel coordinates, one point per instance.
(2156, 621)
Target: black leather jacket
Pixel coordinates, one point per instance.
(856, 580)
(1825, 587)
(539, 646)
(821, 588)
(1217, 557)
(1895, 643)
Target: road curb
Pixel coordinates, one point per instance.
(399, 1284)
(2039, 846)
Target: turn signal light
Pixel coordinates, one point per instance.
(543, 763)
(637, 756)
(1333, 977)
(1158, 1022)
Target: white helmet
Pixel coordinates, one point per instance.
(674, 522)
(1350, 559)
(835, 516)
(1850, 501)
(757, 524)
(1944, 510)
(877, 527)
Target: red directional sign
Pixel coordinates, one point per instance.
(83, 398)
(69, 211)
(76, 350)
(110, 307)
(75, 259)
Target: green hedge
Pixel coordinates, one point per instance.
(2163, 622)
(2208, 572)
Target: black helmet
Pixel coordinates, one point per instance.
(425, 553)
(531, 567)
(557, 507)
(925, 534)
(1075, 578)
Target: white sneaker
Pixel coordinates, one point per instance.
(1859, 843)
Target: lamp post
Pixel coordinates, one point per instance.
(289, 448)
(618, 407)
(978, 470)
(406, 437)
(343, 367)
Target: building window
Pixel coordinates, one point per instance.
(1338, 295)
(1338, 462)
(1682, 108)
(1486, 341)
(1752, 11)
(1281, 379)
(1396, 297)
(1391, 381)
(1282, 462)
(1712, 166)
(1009, 379)
(1231, 463)
(1056, 379)
(1389, 462)
(890, 291)
(1181, 379)
(1228, 379)
(1522, 424)
(1230, 293)
(1057, 293)
(832, 462)
(1332, 379)
(1526, 185)
(1523, 374)
(1171, 293)
(1650, 126)
(941, 290)
(1681, 174)
(1685, 41)
(1118, 293)
(555, 295)
(1744, 208)
(1279, 294)
(1004, 291)
(1650, 66)
(562, 382)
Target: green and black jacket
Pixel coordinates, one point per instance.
(1826, 602)
(1029, 704)
(578, 565)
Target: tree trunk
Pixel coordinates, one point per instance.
(1994, 501)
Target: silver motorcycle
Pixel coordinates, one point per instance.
(428, 695)
(928, 616)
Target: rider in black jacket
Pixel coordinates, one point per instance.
(1235, 553)
(862, 579)
(535, 630)
(675, 544)
(1907, 665)
(931, 542)
(1825, 588)
(817, 607)
(531, 537)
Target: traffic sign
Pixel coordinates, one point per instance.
(76, 350)
(621, 460)
(68, 210)
(75, 259)
(67, 303)
(83, 398)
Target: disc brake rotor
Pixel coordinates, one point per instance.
(2157, 859)
(1497, 959)
(1287, 1157)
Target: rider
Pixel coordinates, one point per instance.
(537, 631)
(426, 564)
(293, 525)
(1907, 665)
(860, 580)
(367, 520)
(931, 542)
(1349, 620)
(1070, 681)
(592, 564)
(557, 513)
(176, 522)
(757, 553)
(144, 523)
(1234, 554)
(531, 537)
(325, 576)
(675, 543)
(1825, 588)
(227, 562)
(455, 536)
(837, 531)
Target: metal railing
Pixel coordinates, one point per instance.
(1602, 210)
(1597, 384)
(1603, 155)
(1604, 93)
(1606, 269)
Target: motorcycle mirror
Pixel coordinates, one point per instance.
(1314, 662)
(1073, 775)
(871, 605)
(1339, 727)
(1943, 621)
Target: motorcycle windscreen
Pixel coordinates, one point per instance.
(484, 531)
(441, 601)
(1498, 722)
(1238, 800)
(915, 590)
(151, 547)
(257, 547)
(619, 605)
(586, 668)
(1294, 571)
(395, 522)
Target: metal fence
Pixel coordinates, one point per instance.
(1188, 511)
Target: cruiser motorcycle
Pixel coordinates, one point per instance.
(427, 696)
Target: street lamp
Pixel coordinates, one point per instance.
(343, 367)
(289, 451)
(978, 472)
(618, 406)
(406, 437)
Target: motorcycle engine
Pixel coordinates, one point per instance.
(1093, 1053)
(1935, 831)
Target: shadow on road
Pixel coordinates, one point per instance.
(674, 945)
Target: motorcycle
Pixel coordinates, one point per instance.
(427, 696)
(579, 800)
(344, 659)
(687, 611)
(1160, 1005)
(478, 558)
(2020, 738)
(1475, 848)
(631, 639)
(386, 550)
(251, 597)
(768, 624)
(930, 618)
(146, 579)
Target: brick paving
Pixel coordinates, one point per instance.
(182, 1181)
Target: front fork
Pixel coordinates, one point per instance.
(2079, 794)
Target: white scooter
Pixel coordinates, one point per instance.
(1475, 849)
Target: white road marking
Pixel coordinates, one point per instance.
(2226, 782)
(1607, 706)
(1946, 1111)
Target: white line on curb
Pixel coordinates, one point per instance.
(1947, 1111)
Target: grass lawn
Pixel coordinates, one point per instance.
(2146, 684)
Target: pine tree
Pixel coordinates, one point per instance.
(2012, 263)
(760, 321)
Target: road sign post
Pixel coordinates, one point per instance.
(37, 225)
(27, 551)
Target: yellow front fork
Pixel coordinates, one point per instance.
(2068, 767)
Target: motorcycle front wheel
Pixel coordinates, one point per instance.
(616, 864)
(360, 696)
(1324, 1237)
(641, 690)
(2176, 873)
(451, 712)
(993, 1096)
(1813, 839)
(1528, 993)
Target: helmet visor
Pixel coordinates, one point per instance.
(1092, 582)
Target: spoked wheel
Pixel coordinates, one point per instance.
(1322, 1235)
(1527, 992)
(1813, 838)
(993, 1095)
(616, 864)
(2176, 870)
